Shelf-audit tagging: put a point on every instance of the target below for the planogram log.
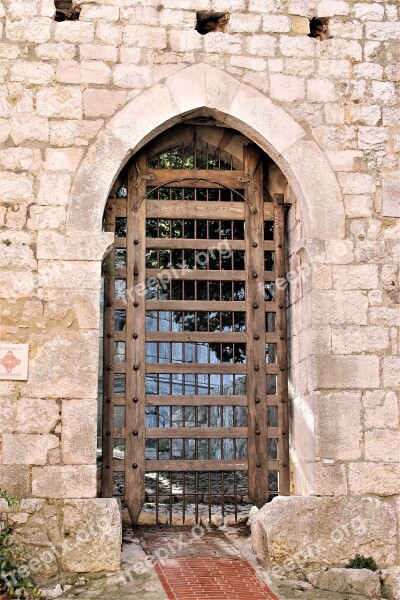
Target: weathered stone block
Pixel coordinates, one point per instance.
(356, 340)
(15, 480)
(341, 307)
(348, 581)
(381, 479)
(391, 371)
(287, 88)
(348, 372)
(57, 357)
(26, 449)
(35, 415)
(64, 481)
(79, 431)
(381, 409)
(92, 535)
(382, 445)
(54, 189)
(15, 188)
(321, 90)
(298, 534)
(73, 246)
(338, 425)
(65, 102)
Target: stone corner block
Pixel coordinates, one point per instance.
(92, 532)
(301, 534)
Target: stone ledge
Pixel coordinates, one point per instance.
(348, 581)
(61, 536)
(302, 534)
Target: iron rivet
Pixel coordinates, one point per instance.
(257, 400)
(108, 432)
(108, 400)
(283, 464)
(256, 336)
(258, 464)
(281, 306)
(136, 400)
(109, 335)
(134, 466)
(279, 245)
(136, 303)
(109, 367)
(258, 432)
(135, 336)
(136, 242)
(283, 400)
(283, 432)
(110, 207)
(256, 368)
(107, 466)
(255, 305)
(136, 367)
(109, 304)
(282, 368)
(255, 275)
(136, 272)
(255, 244)
(281, 337)
(135, 432)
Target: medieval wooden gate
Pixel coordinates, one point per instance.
(195, 372)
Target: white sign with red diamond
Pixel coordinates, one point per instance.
(14, 361)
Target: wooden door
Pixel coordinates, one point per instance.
(195, 373)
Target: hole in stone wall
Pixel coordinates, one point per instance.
(66, 10)
(211, 21)
(319, 29)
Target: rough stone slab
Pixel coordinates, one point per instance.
(67, 481)
(79, 431)
(27, 449)
(338, 425)
(348, 581)
(16, 480)
(299, 534)
(92, 535)
(73, 246)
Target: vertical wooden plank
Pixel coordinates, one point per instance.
(255, 326)
(108, 359)
(281, 326)
(135, 340)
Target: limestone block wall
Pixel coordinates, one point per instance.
(77, 98)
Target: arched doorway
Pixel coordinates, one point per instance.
(194, 389)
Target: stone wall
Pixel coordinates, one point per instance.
(77, 98)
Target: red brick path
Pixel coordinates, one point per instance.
(211, 579)
(199, 565)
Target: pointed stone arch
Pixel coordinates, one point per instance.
(201, 89)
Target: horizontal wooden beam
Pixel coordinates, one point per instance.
(187, 466)
(192, 244)
(200, 433)
(196, 466)
(196, 305)
(190, 209)
(196, 275)
(200, 368)
(166, 400)
(197, 178)
(197, 336)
